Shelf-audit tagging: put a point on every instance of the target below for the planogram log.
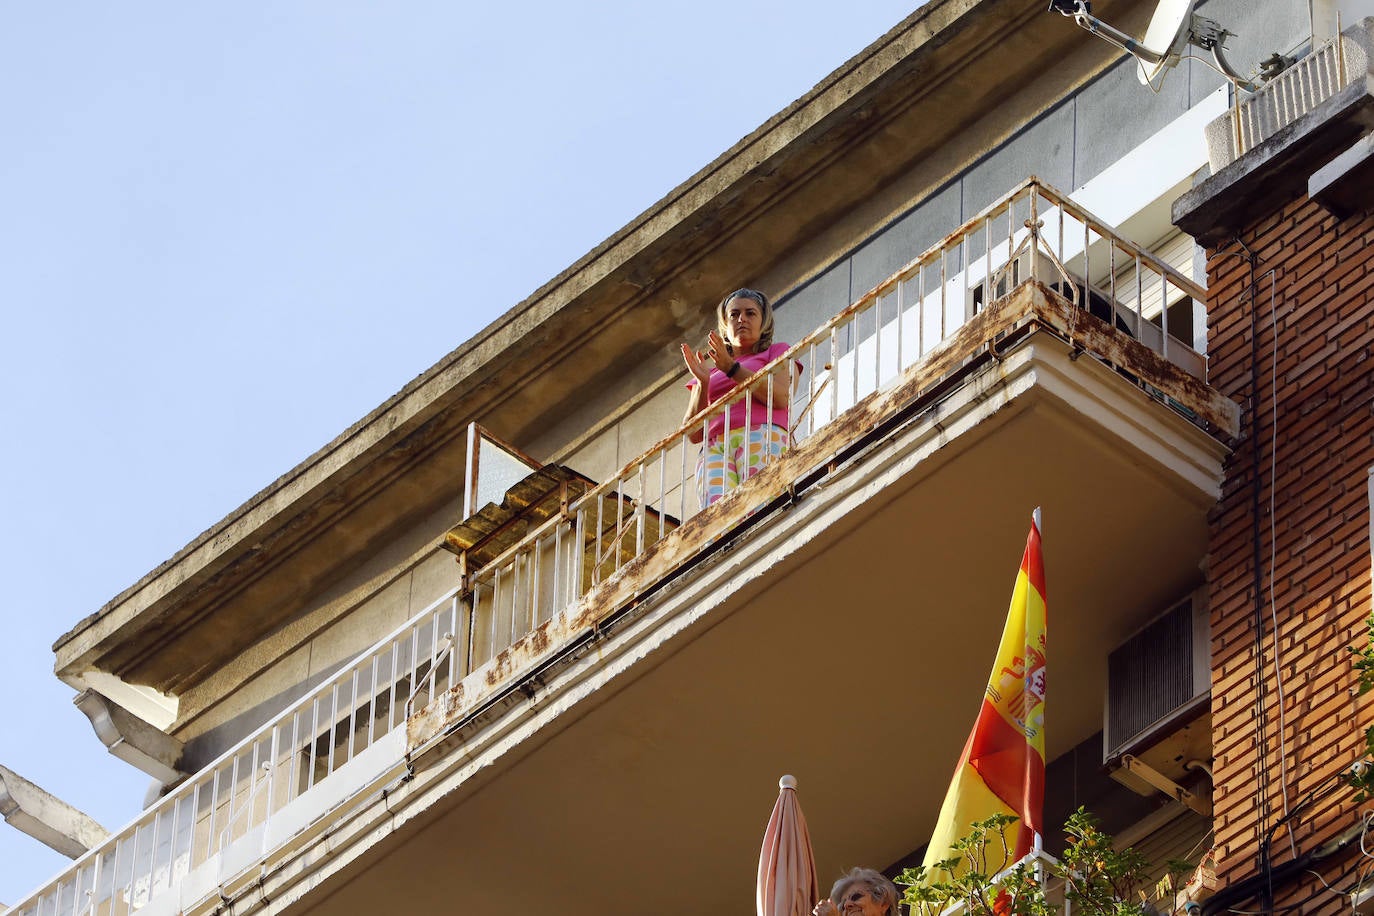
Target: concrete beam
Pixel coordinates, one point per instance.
(47, 818)
(130, 738)
(1345, 185)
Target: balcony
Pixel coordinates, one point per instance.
(598, 713)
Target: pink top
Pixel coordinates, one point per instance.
(719, 383)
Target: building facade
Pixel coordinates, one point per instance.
(488, 649)
(1287, 228)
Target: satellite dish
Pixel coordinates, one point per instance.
(1166, 38)
(1172, 28)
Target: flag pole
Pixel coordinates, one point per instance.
(1037, 841)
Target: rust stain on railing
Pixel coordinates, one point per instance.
(1030, 308)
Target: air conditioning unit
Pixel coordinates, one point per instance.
(1159, 695)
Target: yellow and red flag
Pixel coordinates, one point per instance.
(1002, 769)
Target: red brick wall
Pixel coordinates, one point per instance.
(1309, 432)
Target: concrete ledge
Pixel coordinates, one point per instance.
(1276, 171)
(131, 739)
(1345, 186)
(46, 818)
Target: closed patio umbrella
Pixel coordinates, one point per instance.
(787, 867)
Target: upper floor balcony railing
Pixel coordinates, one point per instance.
(1305, 85)
(606, 545)
(1290, 95)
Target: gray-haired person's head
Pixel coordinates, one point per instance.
(766, 314)
(883, 891)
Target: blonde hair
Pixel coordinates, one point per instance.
(765, 330)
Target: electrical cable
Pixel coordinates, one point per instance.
(1181, 58)
(1257, 584)
(1360, 866)
(1324, 788)
(1222, 73)
(1340, 876)
(1261, 680)
(1337, 877)
(1164, 71)
(1273, 608)
(1267, 912)
(1260, 884)
(1368, 819)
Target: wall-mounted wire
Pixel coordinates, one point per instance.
(1273, 549)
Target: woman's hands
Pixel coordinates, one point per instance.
(700, 366)
(826, 908)
(773, 389)
(719, 353)
(716, 353)
(697, 364)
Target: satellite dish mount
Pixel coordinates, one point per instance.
(1173, 27)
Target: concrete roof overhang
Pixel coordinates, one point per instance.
(905, 101)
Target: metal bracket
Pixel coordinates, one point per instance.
(464, 574)
(1136, 767)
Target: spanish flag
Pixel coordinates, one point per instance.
(1002, 769)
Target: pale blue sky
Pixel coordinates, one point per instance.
(228, 231)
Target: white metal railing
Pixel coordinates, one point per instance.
(1289, 96)
(330, 745)
(348, 735)
(1034, 233)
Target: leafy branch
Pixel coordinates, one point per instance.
(1363, 779)
(977, 877)
(1099, 879)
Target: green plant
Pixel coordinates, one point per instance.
(1099, 879)
(1363, 778)
(977, 877)
(1364, 660)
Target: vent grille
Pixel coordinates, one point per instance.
(1150, 676)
